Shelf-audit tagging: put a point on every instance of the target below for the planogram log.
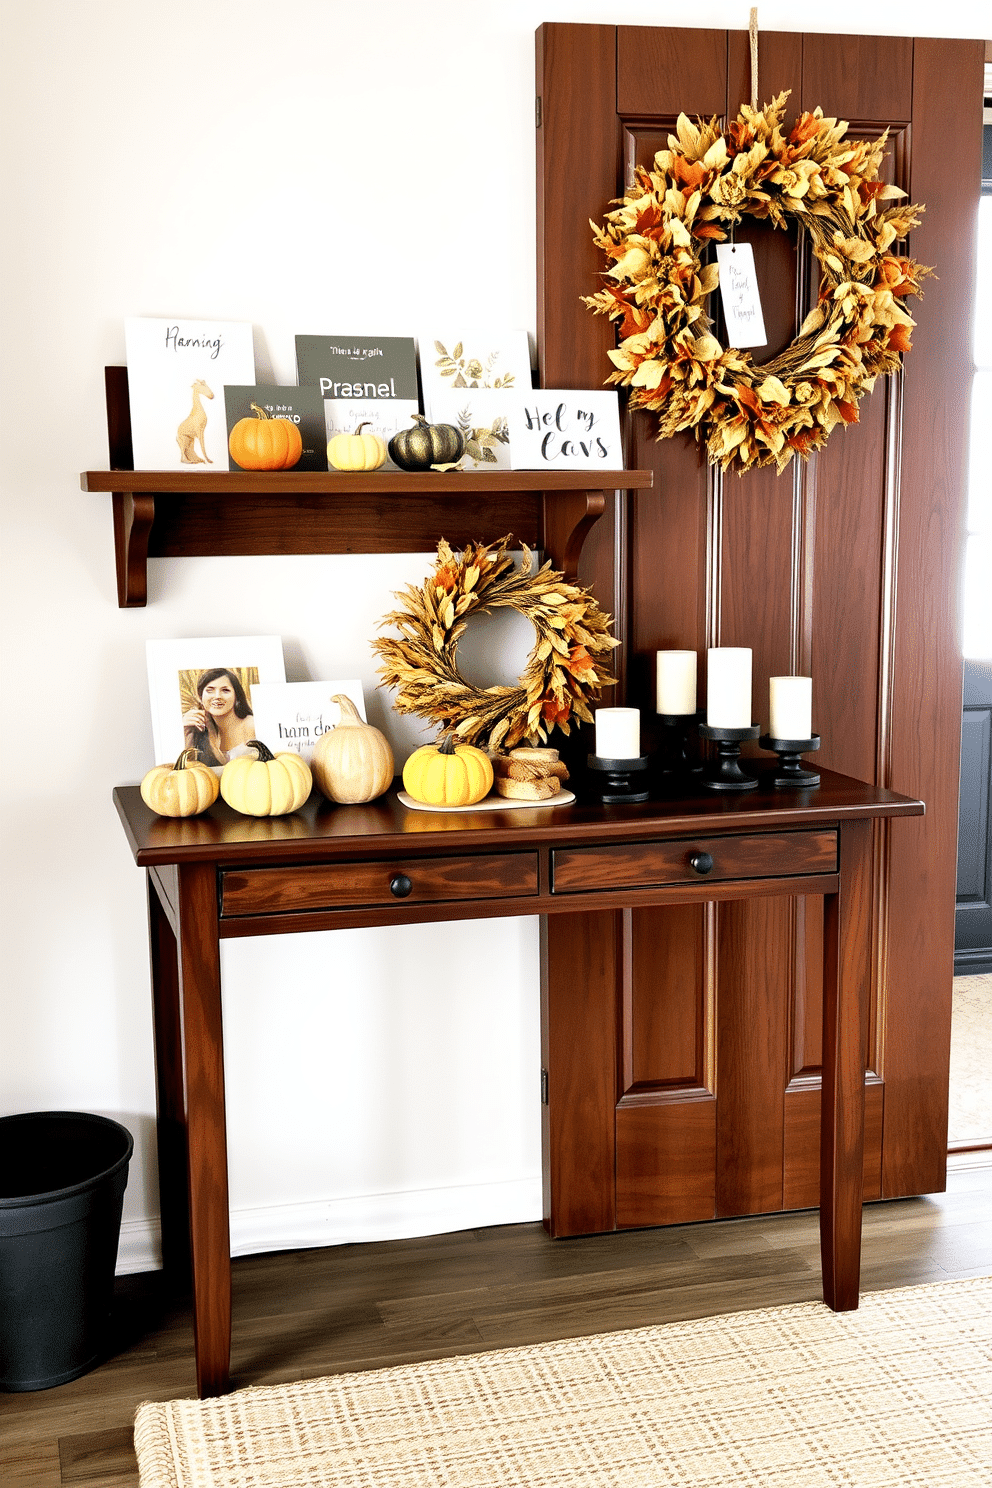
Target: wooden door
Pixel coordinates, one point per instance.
(844, 568)
(973, 916)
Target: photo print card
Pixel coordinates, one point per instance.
(294, 715)
(177, 371)
(565, 429)
(302, 407)
(466, 361)
(202, 694)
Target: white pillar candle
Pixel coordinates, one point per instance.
(728, 687)
(676, 681)
(618, 733)
(790, 707)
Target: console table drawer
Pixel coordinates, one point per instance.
(693, 860)
(397, 881)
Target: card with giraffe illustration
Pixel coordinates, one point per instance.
(177, 371)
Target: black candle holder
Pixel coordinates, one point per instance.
(726, 773)
(674, 755)
(618, 786)
(791, 771)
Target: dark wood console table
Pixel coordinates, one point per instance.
(222, 875)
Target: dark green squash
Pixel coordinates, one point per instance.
(426, 444)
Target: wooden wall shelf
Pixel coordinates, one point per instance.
(210, 513)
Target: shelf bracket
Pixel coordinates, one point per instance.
(568, 517)
(134, 513)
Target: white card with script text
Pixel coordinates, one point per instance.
(739, 293)
(294, 715)
(562, 429)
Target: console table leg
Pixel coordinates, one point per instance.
(846, 986)
(203, 1061)
(173, 1174)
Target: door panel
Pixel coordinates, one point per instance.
(668, 1025)
(754, 990)
(844, 568)
(860, 78)
(656, 65)
(666, 1163)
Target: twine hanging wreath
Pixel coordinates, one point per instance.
(564, 671)
(701, 186)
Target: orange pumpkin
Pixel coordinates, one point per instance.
(263, 443)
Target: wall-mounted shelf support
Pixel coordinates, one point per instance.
(180, 514)
(133, 518)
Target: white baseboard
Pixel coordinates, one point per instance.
(978, 1157)
(349, 1221)
(140, 1246)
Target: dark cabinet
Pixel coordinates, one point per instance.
(973, 914)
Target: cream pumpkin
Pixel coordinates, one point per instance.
(356, 451)
(183, 789)
(352, 762)
(448, 774)
(265, 784)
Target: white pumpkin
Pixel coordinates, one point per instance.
(352, 762)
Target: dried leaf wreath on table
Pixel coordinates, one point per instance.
(564, 671)
(702, 185)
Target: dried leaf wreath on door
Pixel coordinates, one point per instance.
(704, 183)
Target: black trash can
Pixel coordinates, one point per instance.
(62, 1181)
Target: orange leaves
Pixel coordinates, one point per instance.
(804, 441)
(690, 176)
(581, 665)
(634, 319)
(649, 220)
(708, 230)
(553, 713)
(899, 338)
(898, 274)
(806, 128)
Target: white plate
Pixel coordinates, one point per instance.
(491, 803)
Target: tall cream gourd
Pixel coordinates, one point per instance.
(352, 762)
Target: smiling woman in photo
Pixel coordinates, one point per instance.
(221, 723)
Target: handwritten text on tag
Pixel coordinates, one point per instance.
(739, 293)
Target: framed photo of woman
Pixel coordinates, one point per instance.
(201, 694)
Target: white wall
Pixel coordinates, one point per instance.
(308, 166)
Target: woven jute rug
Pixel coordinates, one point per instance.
(895, 1395)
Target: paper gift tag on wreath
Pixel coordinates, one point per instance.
(739, 295)
(562, 429)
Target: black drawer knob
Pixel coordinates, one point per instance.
(400, 885)
(701, 861)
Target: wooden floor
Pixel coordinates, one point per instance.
(314, 1312)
